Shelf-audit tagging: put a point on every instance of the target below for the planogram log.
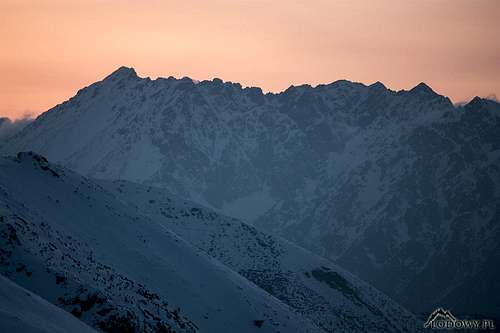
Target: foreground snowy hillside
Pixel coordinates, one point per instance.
(321, 291)
(69, 241)
(117, 266)
(401, 188)
(22, 311)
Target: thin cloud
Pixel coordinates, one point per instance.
(10, 127)
(492, 97)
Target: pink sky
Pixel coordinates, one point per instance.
(50, 49)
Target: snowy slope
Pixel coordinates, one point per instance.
(401, 188)
(21, 311)
(68, 240)
(313, 286)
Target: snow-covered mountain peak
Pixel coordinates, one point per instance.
(422, 88)
(343, 83)
(378, 86)
(482, 104)
(217, 81)
(425, 92)
(122, 72)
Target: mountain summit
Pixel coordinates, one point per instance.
(122, 72)
(422, 88)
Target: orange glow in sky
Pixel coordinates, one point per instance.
(51, 48)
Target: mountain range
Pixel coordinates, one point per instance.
(400, 188)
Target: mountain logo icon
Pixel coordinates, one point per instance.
(439, 314)
(443, 319)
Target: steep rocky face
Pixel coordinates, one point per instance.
(414, 210)
(399, 187)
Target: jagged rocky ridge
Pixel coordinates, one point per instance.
(401, 188)
(98, 252)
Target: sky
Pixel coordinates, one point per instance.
(51, 48)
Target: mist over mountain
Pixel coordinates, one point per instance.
(399, 188)
(10, 127)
